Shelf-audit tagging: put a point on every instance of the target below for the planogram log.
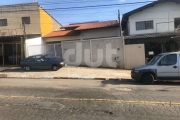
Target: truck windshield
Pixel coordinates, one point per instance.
(154, 60)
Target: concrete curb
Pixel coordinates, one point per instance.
(76, 78)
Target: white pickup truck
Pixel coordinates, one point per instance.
(165, 66)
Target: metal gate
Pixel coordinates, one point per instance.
(52, 49)
(135, 55)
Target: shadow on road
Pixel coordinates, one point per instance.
(131, 82)
(21, 70)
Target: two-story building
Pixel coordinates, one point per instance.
(18, 23)
(156, 25)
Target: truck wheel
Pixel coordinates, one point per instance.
(147, 79)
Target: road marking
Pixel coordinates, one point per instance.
(97, 100)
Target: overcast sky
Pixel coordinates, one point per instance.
(67, 16)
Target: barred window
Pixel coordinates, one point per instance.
(177, 22)
(144, 25)
(3, 22)
(26, 20)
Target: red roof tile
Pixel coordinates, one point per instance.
(71, 29)
(93, 25)
(60, 33)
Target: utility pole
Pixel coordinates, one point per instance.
(119, 18)
(123, 42)
(24, 30)
(23, 41)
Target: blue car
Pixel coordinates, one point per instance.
(42, 62)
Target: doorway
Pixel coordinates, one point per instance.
(1, 55)
(10, 54)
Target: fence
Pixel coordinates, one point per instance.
(52, 49)
(94, 52)
(104, 52)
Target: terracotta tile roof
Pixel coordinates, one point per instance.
(60, 33)
(93, 25)
(73, 29)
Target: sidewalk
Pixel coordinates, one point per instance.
(67, 73)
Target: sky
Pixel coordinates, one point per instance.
(71, 15)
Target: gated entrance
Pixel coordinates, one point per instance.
(52, 49)
(10, 54)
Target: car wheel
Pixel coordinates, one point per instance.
(27, 68)
(147, 79)
(55, 67)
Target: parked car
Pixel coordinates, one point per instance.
(42, 62)
(165, 66)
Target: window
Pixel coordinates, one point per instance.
(3, 22)
(48, 57)
(177, 22)
(154, 60)
(144, 25)
(169, 60)
(38, 58)
(30, 59)
(25, 20)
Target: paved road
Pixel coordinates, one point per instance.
(51, 99)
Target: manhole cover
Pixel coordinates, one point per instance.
(49, 105)
(124, 89)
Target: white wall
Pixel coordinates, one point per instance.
(59, 39)
(33, 42)
(163, 12)
(93, 58)
(100, 33)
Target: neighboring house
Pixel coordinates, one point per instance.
(154, 25)
(92, 36)
(18, 23)
(83, 31)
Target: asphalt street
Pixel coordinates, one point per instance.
(55, 99)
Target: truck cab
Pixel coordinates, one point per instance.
(164, 66)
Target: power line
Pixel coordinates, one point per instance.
(100, 5)
(84, 7)
(69, 2)
(67, 14)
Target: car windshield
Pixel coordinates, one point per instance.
(154, 60)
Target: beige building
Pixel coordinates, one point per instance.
(18, 23)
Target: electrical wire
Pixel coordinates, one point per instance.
(83, 7)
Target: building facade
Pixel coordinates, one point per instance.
(18, 23)
(156, 25)
(87, 39)
(159, 16)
